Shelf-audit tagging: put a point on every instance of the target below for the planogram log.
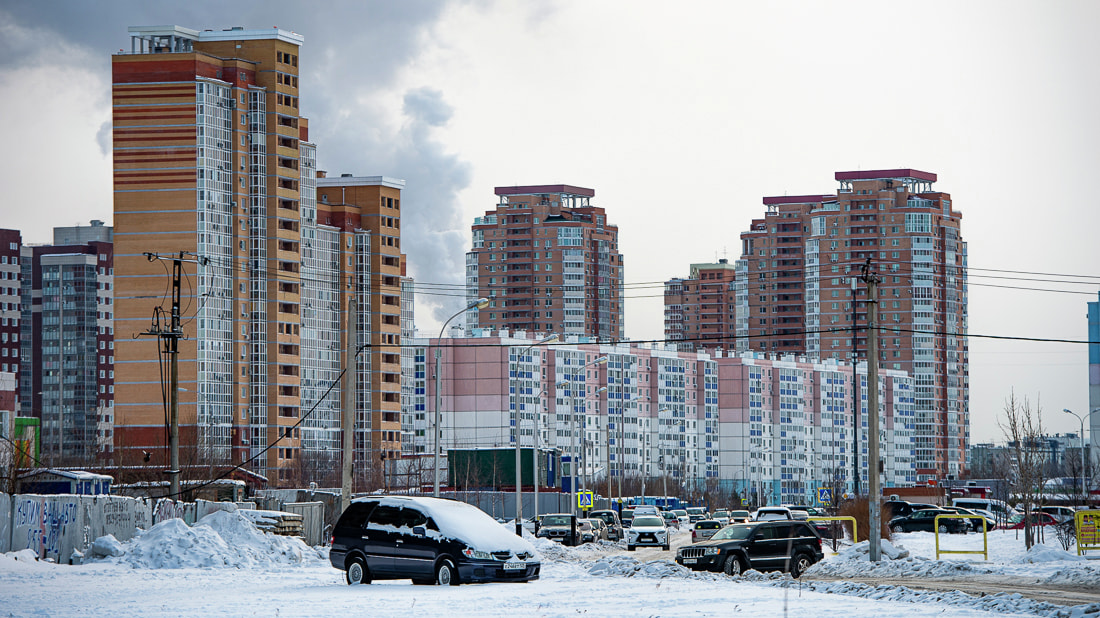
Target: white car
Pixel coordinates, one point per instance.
(646, 509)
(768, 513)
(682, 515)
(647, 530)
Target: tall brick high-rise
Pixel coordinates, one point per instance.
(700, 310)
(212, 162)
(794, 293)
(549, 262)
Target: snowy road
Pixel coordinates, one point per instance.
(228, 568)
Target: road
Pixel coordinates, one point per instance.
(976, 585)
(981, 585)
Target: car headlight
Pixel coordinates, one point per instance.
(711, 551)
(477, 555)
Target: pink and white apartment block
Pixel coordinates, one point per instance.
(775, 429)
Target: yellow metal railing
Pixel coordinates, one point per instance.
(985, 537)
(1087, 525)
(855, 539)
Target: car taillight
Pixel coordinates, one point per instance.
(332, 540)
(692, 536)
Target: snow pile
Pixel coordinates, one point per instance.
(106, 547)
(627, 566)
(1046, 553)
(221, 539)
(24, 560)
(997, 604)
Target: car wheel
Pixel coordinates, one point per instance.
(897, 528)
(799, 565)
(629, 548)
(943, 528)
(733, 566)
(357, 572)
(445, 574)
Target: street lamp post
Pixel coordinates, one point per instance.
(519, 460)
(1085, 462)
(480, 303)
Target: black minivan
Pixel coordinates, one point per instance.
(427, 540)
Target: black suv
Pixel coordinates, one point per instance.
(427, 540)
(560, 527)
(778, 545)
(924, 520)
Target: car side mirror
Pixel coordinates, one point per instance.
(420, 531)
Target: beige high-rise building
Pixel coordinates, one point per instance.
(213, 164)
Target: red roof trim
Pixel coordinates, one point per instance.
(797, 199)
(535, 189)
(896, 173)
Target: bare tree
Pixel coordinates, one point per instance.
(1022, 426)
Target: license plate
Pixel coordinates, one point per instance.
(690, 560)
(515, 566)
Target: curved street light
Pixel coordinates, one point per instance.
(1086, 462)
(480, 303)
(534, 443)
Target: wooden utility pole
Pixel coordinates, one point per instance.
(874, 462)
(349, 404)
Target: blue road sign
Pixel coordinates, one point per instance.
(584, 500)
(824, 495)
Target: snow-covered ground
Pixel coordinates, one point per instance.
(225, 566)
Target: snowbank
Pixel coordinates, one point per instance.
(23, 560)
(221, 539)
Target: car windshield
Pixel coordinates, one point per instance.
(647, 520)
(721, 513)
(744, 514)
(680, 512)
(555, 520)
(733, 533)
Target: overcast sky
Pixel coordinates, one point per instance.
(681, 116)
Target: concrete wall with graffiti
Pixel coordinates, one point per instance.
(55, 526)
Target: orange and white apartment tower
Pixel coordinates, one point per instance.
(549, 262)
(212, 159)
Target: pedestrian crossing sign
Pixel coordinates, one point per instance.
(824, 495)
(584, 500)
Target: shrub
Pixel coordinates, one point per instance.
(859, 508)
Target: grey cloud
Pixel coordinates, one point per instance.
(103, 138)
(353, 52)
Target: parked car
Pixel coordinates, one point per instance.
(740, 517)
(427, 540)
(683, 516)
(647, 530)
(768, 513)
(704, 529)
(696, 513)
(625, 516)
(791, 546)
(586, 531)
(721, 516)
(611, 519)
(1016, 522)
(671, 520)
(1000, 510)
(977, 519)
(925, 520)
(559, 527)
(1061, 513)
(646, 509)
(901, 508)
